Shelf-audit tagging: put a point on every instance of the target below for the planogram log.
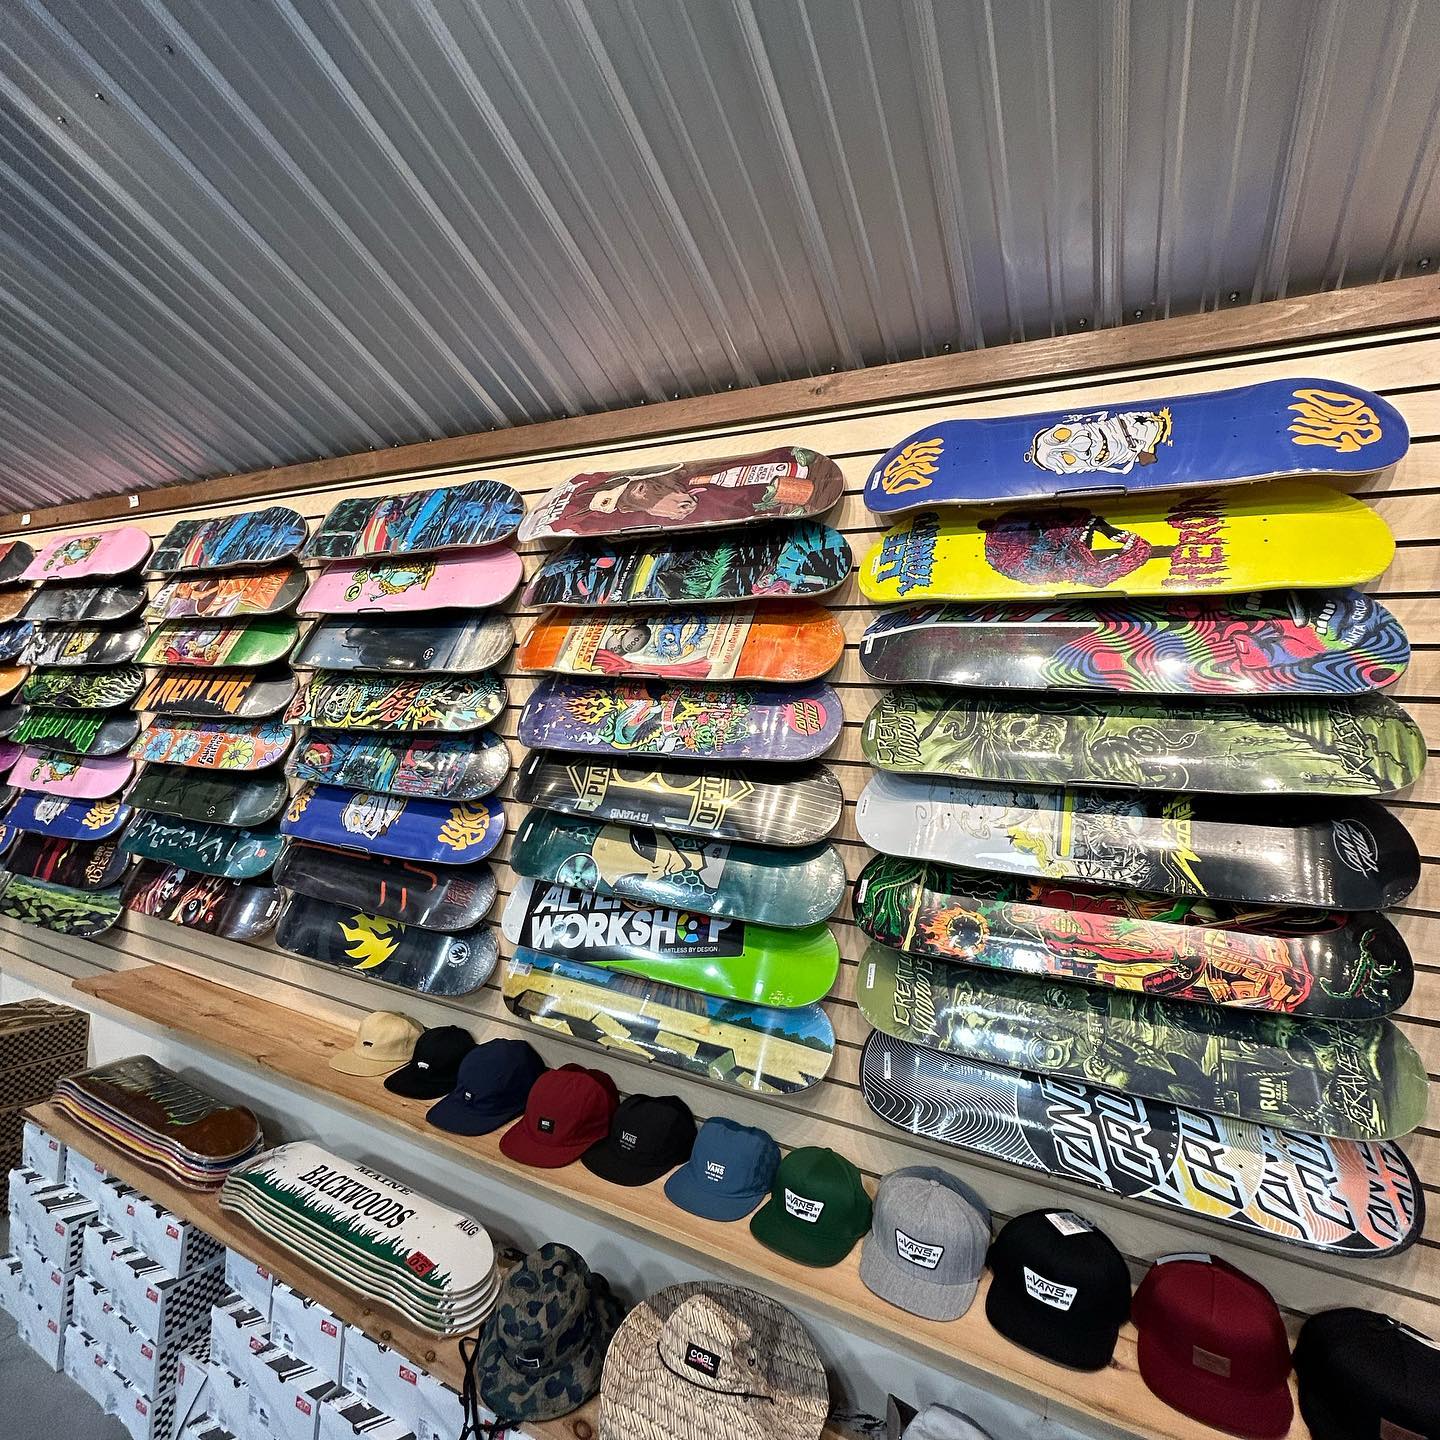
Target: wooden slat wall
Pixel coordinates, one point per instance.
(1402, 364)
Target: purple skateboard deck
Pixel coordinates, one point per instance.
(468, 579)
(713, 722)
(74, 779)
(80, 557)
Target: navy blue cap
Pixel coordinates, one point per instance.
(490, 1090)
(729, 1171)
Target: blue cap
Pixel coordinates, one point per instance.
(728, 1174)
(490, 1090)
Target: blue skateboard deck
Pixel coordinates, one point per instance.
(68, 819)
(430, 831)
(1276, 429)
(481, 512)
(258, 537)
(425, 767)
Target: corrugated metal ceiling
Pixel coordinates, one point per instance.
(243, 232)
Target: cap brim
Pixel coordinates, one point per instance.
(611, 1163)
(1021, 1323)
(1213, 1399)
(347, 1062)
(517, 1145)
(702, 1198)
(455, 1116)
(798, 1240)
(416, 1084)
(903, 1288)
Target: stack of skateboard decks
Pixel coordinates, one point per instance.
(370, 1234)
(676, 876)
(397, 758)
(161, 1120)
(75, 720)
(1126, 917)
(217, 679)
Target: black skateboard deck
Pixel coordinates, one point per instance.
(83, 689)
(15, 558)
(244, 801)
(232, 909)
(431, 645)
(67, 645)
(76, 864)
(230, 695)
(478, 512)
(78, 732)
(15, 641)
(85, 913)
(258, 537)
(425, 767)
(455, 704)
(799, 806)
(83, 604)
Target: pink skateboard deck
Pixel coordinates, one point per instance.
(469, 579)
(80, 557)
(74, 779)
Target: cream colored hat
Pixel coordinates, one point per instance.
(705, 1360)
(384, 1042)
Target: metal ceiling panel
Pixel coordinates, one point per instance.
(245, 234)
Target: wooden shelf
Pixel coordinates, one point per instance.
(285, 1043)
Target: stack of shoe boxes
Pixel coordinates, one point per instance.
(39, 1042)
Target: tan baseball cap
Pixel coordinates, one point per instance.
(384, 1042)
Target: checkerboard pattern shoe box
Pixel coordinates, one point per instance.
(384, 1378)
(146, 1417)
(87, 1366)
(98, 1251)
(192, 1381)
(246, 1278)
(19, 1183)
(41, 1152)
(46, 1337)
(149, 1366)
(49, 1286)
(308, 1329)
(57, 1218)
(170, 1241)
(237, 1331)
(163, 1306)
(12, 1283)
(91, 1309)
(345, 1416)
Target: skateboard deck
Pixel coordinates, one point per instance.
(432, 897)
(1227, 437)
(436, 645)
(1354, 1080)
(432, 832)
(633, 718)
(76, 864)
(466, 580)
(224, 850)
(269, 590)
(451, 517)
(729, 959)
(455, 704)
(1286, 961)
(68, 819)
(241, 800)
(799, 560)
(1355, 745)
(258, 537)
(785, 483)
(789, 889)
(88, 557)
(83, 689)
(1339, 1197)
(1355, 856)
(423, 767)
(750, 1047)
(86, 913)
(213, 744)
(11, 717)
(76, 604)
(78, 732)
(1276, 535)
(70, 778)
(784, 643)
(229, 695)
(232, 909)
(69, 645)
(429, 961)
(245, 643)
(15, 558)
(13, 602)
(10, 678)
(1297, 642)
(16, 641)
(794, 807)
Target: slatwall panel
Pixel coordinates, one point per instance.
(1396, 364)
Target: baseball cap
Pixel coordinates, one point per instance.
(934, 1422)
(434, 1065)
(384, 1042)
(1365, 1374)
(729, 1171)
(491, 1088)
(1058, 1288)
(1213, 1345)
(926, 1247)
(649, 1136)
(566, 1112)
(817, 1208)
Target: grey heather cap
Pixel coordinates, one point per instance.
(939, 1422)
(927, 1242)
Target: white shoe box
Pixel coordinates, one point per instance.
(345, 1416)
(98, 1251)
(238, 1331)
(50, 1287)
(20, 1182)
(394, 1385)
(246, 1278)
(44, 1336)
(165, 1307)
(442, 1412)
(147, 1365)
(57, 1218)
(192, 1382)
(170, 1241)
(41, 1152)
(91, 1179)
(308, 1329)
(229, 1400)
(207, 1427)
(91, 1309)
(86, 1365)
(286, 1394)
(12, 1283)
(146, 1417)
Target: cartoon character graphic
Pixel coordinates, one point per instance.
(1064, 543)
(370, 815)
(75, 551)
(1098, 442)
(378, 581)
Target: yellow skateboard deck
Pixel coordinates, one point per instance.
(1212, 541)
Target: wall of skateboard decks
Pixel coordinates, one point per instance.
(1082, 895)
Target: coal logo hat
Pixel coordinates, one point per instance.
(384, 1042)
(926, 1247)
(435, 1065)
(1058, 1288)
(491, 1087)
(1213, 1345)
(649, 1136)
(729, 1171)
(566, 1112)
(818, 1208)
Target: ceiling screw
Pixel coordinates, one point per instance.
(1234, 296)
(1424, 262)
(1139, 315)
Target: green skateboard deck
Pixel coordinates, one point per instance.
(789, 889)
(725, 958)
(246, 801)
(1285, 961)
(86, 913)
(454, 704)
(1365, 745)
(224, 850)
(1354, 1080)
(78, 732)
(215, 644)
(83, 689)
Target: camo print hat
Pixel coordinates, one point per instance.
(543, 1347)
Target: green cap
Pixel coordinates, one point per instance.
(817, 1208)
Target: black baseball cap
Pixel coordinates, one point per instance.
(491, 1088)
(649, 1136)
(1360, 1373)
(435, 1065)
(1058, 1288)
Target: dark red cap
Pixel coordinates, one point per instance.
(567, 1111)
(1213, 1346)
